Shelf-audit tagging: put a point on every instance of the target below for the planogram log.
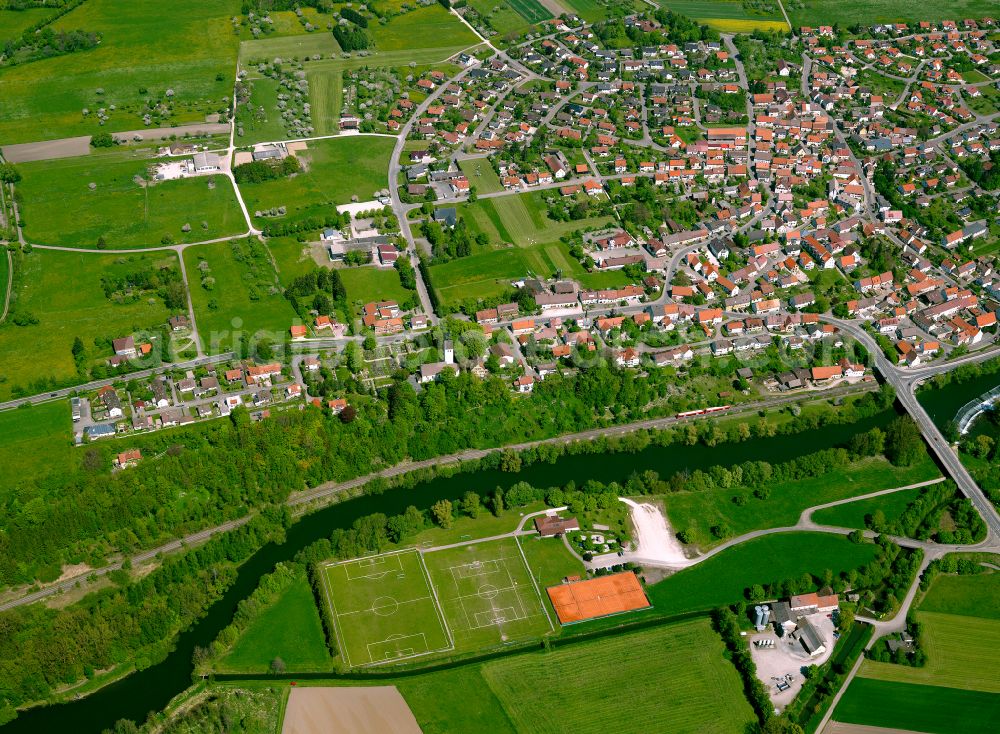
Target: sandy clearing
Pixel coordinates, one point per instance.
(359, 710)
(653, 538)
(838, 727)
(47, 150)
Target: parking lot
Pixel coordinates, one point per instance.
(784, 662)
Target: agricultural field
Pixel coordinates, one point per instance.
(489, 274)
(849, 12)
(502, 17)
(326, 95)
(967, 596)
(671, 679)
(700, 511)
(487, 594)
(35, 440)
(520, 219)
(960, 633)
(62, 294)
(931, 709)
(236, 291)
(290, 630)
(480, 173)
(722, 579)
(729, 16)
(289, 46)
(428, 27)
(62, 208)
(962, 652)
(366, 284)
(385, 609)
(593, 11)
(531, 10)
(146, 48)
(324, 182)
(264, 123)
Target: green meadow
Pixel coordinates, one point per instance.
(60, 207)
(520, 219)
(723, 578)
(700, 511)
(35, 441)
(366, 284)
(187, 46)
(674, 678)
(334, 171)
(243, 293)
(967, 596)
(63, 292)
(14, 22)
(868, 12)
(430, 26)
(290, 629)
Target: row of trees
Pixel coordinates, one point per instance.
(261, 171)
(133, 622)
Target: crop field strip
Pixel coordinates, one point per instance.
(531, 10)
(931, 709)
(384, 609)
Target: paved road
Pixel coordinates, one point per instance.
(904, 384)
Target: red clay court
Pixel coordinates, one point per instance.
(598, 597)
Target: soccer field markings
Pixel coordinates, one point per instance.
(374, 569)
(496, 615)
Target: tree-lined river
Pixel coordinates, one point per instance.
(151, 689)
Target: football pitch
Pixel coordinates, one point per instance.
(401, 605)
(384, 609)
(487, 594)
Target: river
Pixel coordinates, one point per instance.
(943, 404)
(134, 696)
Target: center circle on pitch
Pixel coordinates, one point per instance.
(385, 606)
(487, 591)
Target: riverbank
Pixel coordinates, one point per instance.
(150, 689)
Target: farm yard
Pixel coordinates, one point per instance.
(234, 292)
(61, 298)
(111, 196)
(676, 678)
(146, 49)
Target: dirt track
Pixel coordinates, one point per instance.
(361, 710)
(69, 147)
(837, 727)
